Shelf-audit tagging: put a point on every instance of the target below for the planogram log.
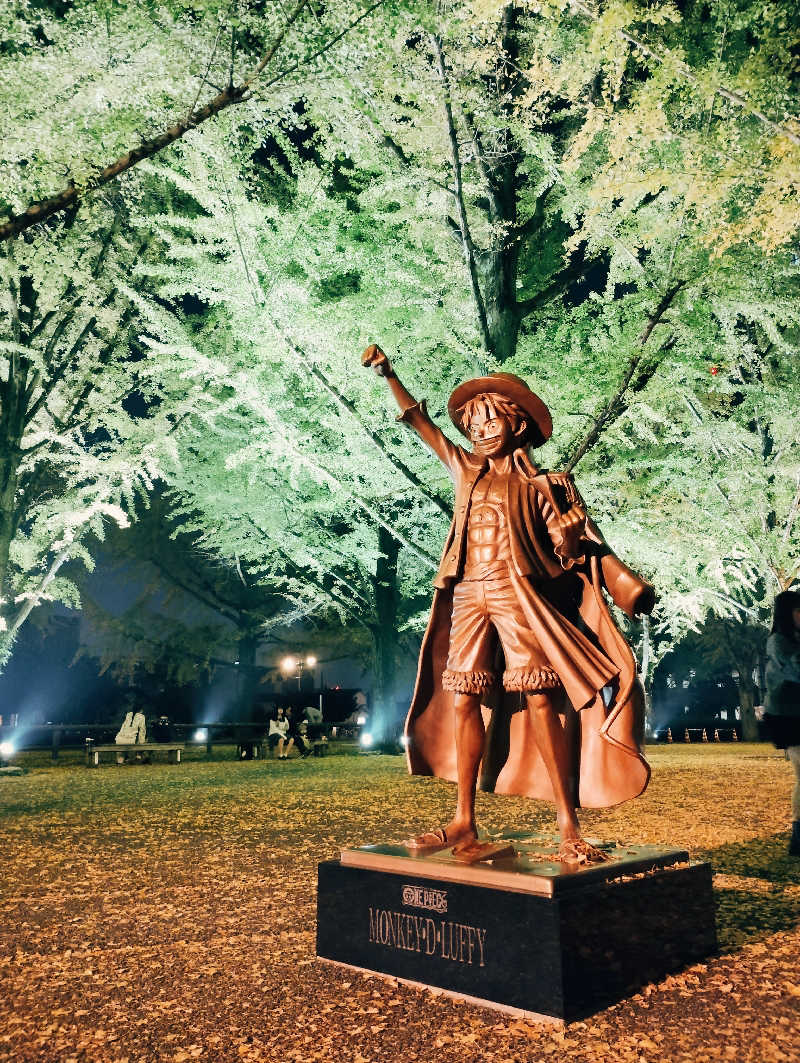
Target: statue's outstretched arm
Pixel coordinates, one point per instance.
(411, 411)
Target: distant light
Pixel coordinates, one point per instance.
(6, 749)
(288, 664)
(404, 740)
(366, 739)
(201, 734)
(311, 661)
(361, 720)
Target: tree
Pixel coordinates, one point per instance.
(185, 615)
(337, 221)
(730, 647)
(77, 444)
(547, 188)
(171, 45)
(83, 425)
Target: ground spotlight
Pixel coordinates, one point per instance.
(6, 750)
(201, 734)
(366, 740)
(404, 740)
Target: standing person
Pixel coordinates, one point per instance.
(279, 734)
(519, 629)
(782, 703)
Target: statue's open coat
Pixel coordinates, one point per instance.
(558, 578)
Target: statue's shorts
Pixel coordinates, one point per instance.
(483, 611)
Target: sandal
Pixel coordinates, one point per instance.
(429, 842)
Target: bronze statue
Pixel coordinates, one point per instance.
(523, 678)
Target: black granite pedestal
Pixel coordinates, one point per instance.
(521, 932)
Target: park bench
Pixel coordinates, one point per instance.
(174, 749)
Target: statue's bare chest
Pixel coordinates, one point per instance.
(487, 525)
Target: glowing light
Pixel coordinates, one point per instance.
(361, 720)
(404, 740)
(311, 661)
(6, 749)
(288, 664)
(366, 740)
(201, 734)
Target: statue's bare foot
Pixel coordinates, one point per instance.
(579, 851)
(454, 834)
(568, 827)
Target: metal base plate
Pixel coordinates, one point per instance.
(534, 867)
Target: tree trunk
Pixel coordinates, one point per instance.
(8, 520)
(384, 632)
(499, 273)
(13, 406)
(246, 678)
(747, 701)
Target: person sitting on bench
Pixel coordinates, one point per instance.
(279, 734)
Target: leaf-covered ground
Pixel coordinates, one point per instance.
(158, 912)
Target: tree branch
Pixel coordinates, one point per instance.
(60, 369)
(32, 600)
(720, 90)
(206, 595)
(491, 191)
(787, 531)
(328, 385)
(615, 406)
(305, 575)
(467, 242)
(377, 442)
(232, 94)
(555, 287)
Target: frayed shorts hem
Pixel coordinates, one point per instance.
(523, 680)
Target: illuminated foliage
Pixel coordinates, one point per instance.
(601, 198)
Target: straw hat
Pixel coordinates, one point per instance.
(510, 387)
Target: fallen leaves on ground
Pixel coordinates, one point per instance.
(167, 913)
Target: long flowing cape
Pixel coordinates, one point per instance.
(602, 710)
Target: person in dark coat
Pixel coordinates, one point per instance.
(782, 703)
(298, 731)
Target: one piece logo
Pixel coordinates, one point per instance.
(421, 897)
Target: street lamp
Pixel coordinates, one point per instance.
(294, 665)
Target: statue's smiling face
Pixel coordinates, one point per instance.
(491, 436)
(494, 425)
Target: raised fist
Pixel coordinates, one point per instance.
(373, 357)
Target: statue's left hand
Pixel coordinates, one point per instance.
(574, 520)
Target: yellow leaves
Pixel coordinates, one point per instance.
(773, 217)
(487, 10)
(594, 122)
(195, 926)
